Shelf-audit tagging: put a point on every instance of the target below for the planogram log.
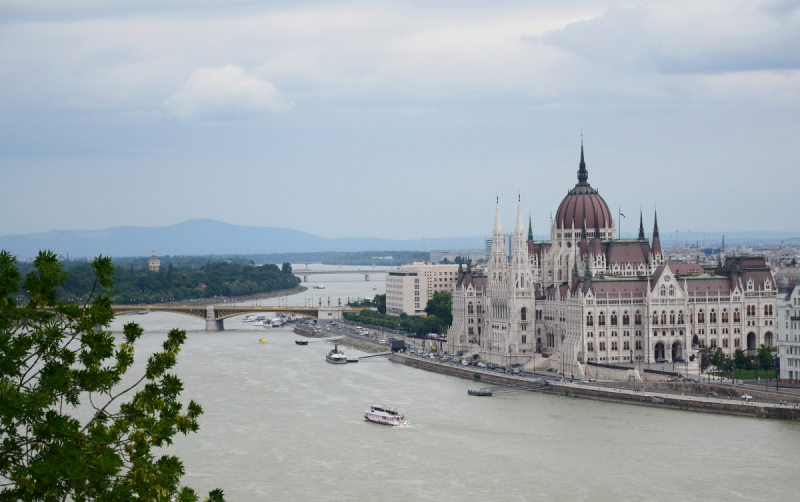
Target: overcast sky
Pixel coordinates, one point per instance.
(397, 119)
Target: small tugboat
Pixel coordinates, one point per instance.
(385, 416)
(335, 356)
(301, 342)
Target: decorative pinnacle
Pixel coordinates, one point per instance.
(655, 224)
(583, 174)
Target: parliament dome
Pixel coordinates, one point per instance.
(583, 204)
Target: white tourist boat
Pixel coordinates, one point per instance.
(249, 318)
(277, 322)
(319, 286)
(385, 415)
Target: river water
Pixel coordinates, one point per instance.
(282, 424)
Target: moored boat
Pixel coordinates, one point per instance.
(385, 415)
(301, 342)
(335, 356)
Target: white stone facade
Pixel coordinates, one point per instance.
(788, 309)
(585, 296)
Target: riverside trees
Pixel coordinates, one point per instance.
(55, 368)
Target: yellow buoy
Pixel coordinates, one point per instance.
(263, 340)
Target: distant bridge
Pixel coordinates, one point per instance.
(214, 316)
(366, 272)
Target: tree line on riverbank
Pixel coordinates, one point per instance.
(134, 284)
(437, 321)
(740, 364)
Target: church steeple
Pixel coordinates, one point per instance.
(641, 226)
(583, 174)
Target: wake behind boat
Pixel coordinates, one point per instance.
(385, 415)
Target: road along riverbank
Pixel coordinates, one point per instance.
(639, 395)
(349, 341)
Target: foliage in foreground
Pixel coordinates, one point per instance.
(52, 364)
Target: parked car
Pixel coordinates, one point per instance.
(661, 361)
(465, 363)
(747, 397)
(679, 360)
(515, 371)
(481, 365)
(711, 393)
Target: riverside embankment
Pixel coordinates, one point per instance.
(666, 398)
(355, 343)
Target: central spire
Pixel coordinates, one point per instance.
(583, 174)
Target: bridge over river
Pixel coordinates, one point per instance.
(215, 315)
(365, 272)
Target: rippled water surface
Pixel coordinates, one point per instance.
(282, 424)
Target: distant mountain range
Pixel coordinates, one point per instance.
(207, 237)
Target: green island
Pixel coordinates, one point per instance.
(134, 283)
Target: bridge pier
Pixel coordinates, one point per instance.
(212, 323)
(215, 325)
(366, 277)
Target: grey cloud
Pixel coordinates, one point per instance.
(639, 39)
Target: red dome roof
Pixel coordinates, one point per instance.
(583, 203)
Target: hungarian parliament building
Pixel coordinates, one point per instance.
(586, 296)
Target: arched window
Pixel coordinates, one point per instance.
(601, 319)
(637, 319)
(655, 317)
(589, 320)
(663, 290)
(523, 314)
(713, 343)
(590, 346)
(663, 317)
(713, 316)
(672, 317)
(613, 318)
(680, 317)
(638, 345)
(724, 315)
(469, 308)
(671, 290)
(626, 320)
(736, 316)
(770, 309)
(701, 317)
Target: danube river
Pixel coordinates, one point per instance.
(282, 424)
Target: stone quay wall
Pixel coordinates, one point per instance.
(611, 394)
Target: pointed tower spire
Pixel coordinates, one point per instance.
(519, 249)
(656, 246)
(499, 256)
(655, 224)
(530, 229)
(583, 174)
(641, 226)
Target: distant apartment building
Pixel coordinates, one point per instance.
(409, 287)
(788, 332)
(154, 262)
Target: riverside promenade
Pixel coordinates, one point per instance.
(642, 394)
